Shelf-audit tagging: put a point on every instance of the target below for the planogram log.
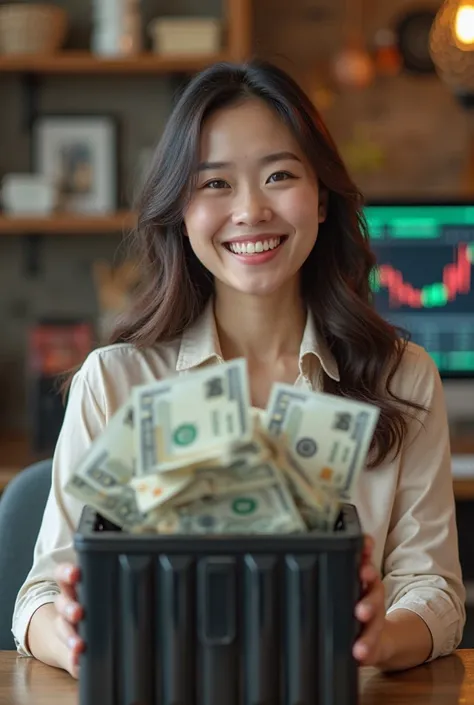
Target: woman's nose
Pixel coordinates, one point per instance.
(251, 209)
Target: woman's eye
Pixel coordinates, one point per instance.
(216, 184)
(279, 176)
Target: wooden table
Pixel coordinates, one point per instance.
(25, 681)
(448, 681)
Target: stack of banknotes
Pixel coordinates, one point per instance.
(189, 455)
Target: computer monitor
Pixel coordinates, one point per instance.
(424, 280)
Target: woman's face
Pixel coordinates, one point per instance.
(254, 215)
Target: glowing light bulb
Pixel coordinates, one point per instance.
(464, 24)
(452, 45)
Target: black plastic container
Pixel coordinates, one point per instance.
(201, 620)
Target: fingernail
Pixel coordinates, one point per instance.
(70, 611)
(369, 573)
(361, 650)
(65, 574)
(72, 642)
(70, 573)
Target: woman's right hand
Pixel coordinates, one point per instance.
(68, 613)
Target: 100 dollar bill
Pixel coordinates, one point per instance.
(237, 477)
(267, 510)
(328, 436)
(186, 420)
(102, 477)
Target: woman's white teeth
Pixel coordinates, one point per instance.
(250, 248)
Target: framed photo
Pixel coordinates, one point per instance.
(79, 154)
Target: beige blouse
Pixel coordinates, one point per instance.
(406, 504)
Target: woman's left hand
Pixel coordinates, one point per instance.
(370, 611)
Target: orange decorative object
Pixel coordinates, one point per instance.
(55, 348)
(354, 68)
(388, 60)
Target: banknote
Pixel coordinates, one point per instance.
(188, 419)
(115, 447)
(239, 476)
(318, 505)
(328, 436)
(102, 477)
(236, 466)
(154, 490)
(252, 451)
(267, 510)
(119, 505)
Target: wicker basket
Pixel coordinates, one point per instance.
(31, 29)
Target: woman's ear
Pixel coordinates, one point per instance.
(323, 205)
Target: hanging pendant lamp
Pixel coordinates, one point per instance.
(452, 45)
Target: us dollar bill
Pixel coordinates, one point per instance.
(239, 465)
(119, 506)
(189, 419)
(328, 436)
(154, 490)
(239, 476)
(319, 506)
(251, 451)
(102, 477)
(267, 510)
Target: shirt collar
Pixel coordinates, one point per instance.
(313, 345)
(200, 344)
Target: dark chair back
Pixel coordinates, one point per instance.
(22, 506)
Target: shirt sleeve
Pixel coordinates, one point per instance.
(421, 565)
(84, 419)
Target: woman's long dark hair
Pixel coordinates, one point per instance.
(335, 277)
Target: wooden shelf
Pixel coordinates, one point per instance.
(84, 62)
(464, 489)
(237, 17)
(462, 445)
(67, 224)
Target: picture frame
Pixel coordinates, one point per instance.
(79, 154)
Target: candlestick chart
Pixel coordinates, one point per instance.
(454, 288)
(424, 278)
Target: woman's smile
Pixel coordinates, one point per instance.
(258, 249)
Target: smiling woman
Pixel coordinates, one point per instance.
(254, 245)
(246, 157)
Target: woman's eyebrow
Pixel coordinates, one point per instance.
(279, 157)
(267, 159)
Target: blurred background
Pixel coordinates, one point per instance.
(85, 89)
